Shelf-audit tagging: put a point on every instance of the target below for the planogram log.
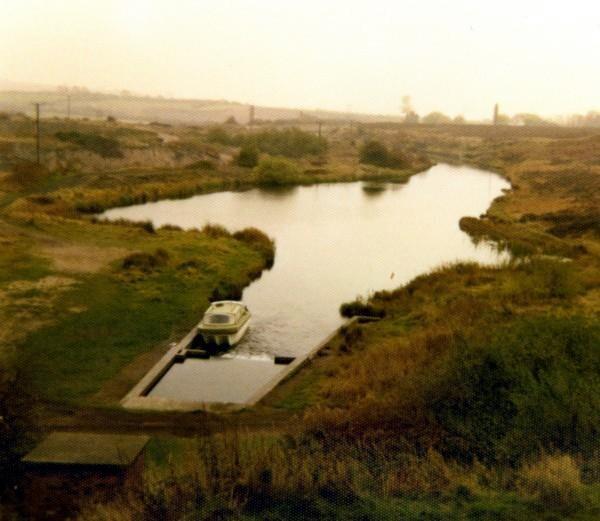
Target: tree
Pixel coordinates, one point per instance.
(277, 171)
(248, 156)
(528, 119)
(411, 118)
(436, 118)
(376, 153)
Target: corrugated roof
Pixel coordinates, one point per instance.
(76, 448)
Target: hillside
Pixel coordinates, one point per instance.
(92, 105)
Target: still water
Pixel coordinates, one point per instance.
(335, 242)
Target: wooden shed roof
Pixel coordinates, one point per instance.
(76, 448)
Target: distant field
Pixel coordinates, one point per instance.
(172, 111)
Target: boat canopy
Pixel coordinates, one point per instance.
(219, 318)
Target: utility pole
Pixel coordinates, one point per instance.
(37, 132)
(251, 116)
(496, 113)
(68, 106)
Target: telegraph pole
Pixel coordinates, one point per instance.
(68, 106)
(251, 116)
(37, 132)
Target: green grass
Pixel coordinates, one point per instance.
(21, 265)
(299, 393)
(127, 313)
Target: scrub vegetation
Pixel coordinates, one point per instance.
(475, 396)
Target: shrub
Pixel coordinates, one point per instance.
(220, 135)
(290, 142)
(26, 173)
(103, 146)
(253, 236)
(202, 164)
(147, 226)
(215, 231)
(534, 384)
(146, 262)
(376, 153)
(359, 307)
(171, 227)
(226, 290)
(550, 277)
(553, 479)
(276, 171)
(259, 240)
(248, 157)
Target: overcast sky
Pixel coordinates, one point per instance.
(457, 56)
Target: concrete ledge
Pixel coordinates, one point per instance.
(138, 397)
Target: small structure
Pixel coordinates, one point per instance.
(68, 468)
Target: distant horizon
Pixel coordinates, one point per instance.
(7, 85)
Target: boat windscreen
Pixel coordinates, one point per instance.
(219, 319)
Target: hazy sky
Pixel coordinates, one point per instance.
(457, 56)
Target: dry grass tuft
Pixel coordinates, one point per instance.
(552, 479)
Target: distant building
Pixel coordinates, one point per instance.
(68, 468)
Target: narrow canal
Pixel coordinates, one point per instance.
(334, 242)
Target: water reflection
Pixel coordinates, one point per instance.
(336, 241)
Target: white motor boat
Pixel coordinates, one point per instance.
(224, 323)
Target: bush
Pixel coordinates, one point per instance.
(147, 226)
(28, 172)
(553, 479)
(215, 231)
(171, 228)
(248, 157)
(359, 307)
(376, 153)
(276, 171)
(220, 135)
(260, 240)
(146, 262)
(201, 164)
(534, 384)
(103, 146)
(291, 142)
(549, 277)
(226, 290)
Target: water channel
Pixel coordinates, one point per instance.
(334, 242)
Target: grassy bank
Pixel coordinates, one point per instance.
(151, 294)
(265, 476)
